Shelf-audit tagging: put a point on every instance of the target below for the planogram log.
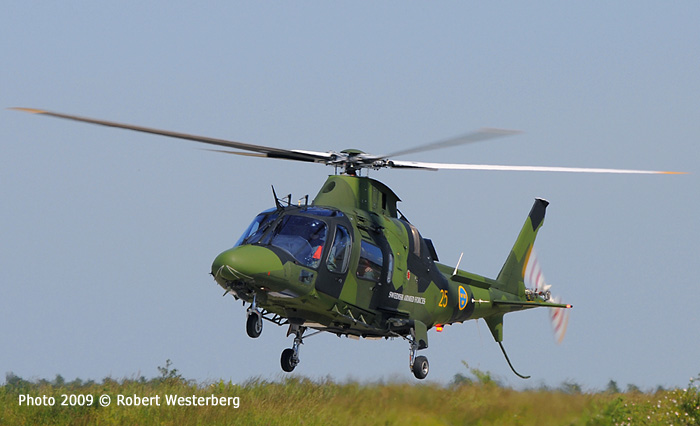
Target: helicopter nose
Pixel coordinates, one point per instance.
(244, 263)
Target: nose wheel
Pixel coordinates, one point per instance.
(254, 323)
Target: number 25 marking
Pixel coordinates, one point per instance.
(443, 299)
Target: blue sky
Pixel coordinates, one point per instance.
(108, 235)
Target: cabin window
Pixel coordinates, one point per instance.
(390, 268)
(303, 237)
(371, 262)
(339, 255)
(416, 240)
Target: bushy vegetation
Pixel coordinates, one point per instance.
(473, 398)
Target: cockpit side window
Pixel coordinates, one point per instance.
(303, 237)
(371, 262)
(339, 255)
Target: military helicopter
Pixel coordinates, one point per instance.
(349, 263)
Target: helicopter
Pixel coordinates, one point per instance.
(350, 263)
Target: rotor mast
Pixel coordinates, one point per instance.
(357, 192)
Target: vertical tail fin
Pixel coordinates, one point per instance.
(511, 277)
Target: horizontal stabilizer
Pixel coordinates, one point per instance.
(533, 303)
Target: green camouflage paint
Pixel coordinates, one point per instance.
(413, 292)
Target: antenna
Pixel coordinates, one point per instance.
(277, 200)
(458, 262)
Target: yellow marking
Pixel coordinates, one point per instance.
(443, 300)
(527, 259)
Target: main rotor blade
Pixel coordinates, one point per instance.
(357, 162)
(298, 155)
(447, 166)
(324, 157)
(478, 136)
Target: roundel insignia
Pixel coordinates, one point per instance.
(463, 298)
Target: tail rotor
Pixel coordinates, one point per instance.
(534, 279)
(560, 320)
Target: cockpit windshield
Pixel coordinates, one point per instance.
(303, 237)
(257, 228)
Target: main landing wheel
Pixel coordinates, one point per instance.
(420, 367)
(289, 360)
(254, 325)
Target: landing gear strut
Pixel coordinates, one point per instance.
(254, 323)
(418, 364)
(290, 356)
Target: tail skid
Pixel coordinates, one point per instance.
(509, 363)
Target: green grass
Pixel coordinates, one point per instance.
(300, 401)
